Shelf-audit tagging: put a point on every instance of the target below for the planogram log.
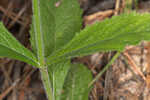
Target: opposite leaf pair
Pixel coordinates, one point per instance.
(56, 37)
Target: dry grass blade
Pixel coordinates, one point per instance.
(134, 67)
(117, 6)
(7, 91)
(99, 16)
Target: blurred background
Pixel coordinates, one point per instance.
(20, 81)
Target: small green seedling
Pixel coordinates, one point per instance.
(56, 37)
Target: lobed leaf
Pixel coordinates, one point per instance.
(11, 48)
(76, 83)
(111, 34)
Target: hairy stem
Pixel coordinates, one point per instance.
(47, 84)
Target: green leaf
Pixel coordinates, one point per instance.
(38, 29)
(58, 73)
(111, 34)
(76, 83)
(68, 20)
(53, 27)
(42, 28)
(10, 47)
(41, 39)
(57, 25)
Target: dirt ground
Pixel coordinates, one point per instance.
(127, 79)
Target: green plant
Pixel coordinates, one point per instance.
(56, 37)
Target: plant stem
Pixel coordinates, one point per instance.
(47, 83)
(105, 68)
(128, 6)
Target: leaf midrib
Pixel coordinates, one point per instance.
(38, 33)
(53, 54)
(19, 53)
(13, 49)
(53, 57)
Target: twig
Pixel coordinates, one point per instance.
(19, 15)
(12, 15)
(133, 66)
(97, 17)
(7, 91)
(8, 80)
(117, 6)
(105, 68)
(6, 13)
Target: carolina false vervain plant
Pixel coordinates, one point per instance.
(56, 37)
